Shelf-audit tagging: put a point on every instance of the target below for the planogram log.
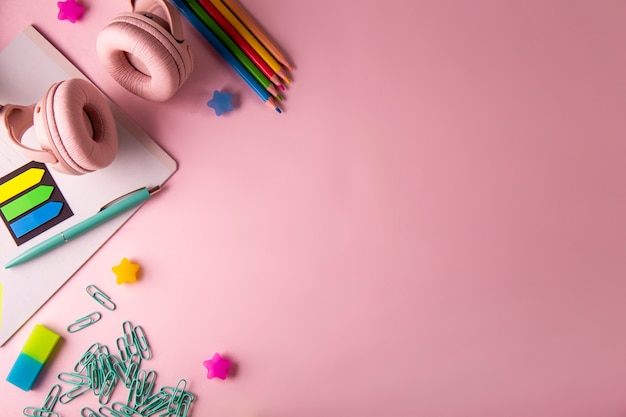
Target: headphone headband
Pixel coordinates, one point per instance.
(173, 17)
(17, 120)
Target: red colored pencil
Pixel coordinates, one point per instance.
(241, 42)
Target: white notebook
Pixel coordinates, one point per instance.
(28, 66)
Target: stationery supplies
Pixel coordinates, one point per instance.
(104, 215)
(241, 28)
(100, 297)
(33, 357)
(83, 322)
(241, 42)
(245, 18)
(47, 408)
(239, 54)
(185, 7)
(111, 373)
(29, 64)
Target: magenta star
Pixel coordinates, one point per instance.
(70, 10)
(217, 367)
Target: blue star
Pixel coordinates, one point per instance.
(221, 102)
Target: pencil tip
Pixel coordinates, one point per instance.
(279, 111)
(281, 87)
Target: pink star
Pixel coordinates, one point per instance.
(217, 367)
(70, 10)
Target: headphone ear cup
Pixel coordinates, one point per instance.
(75, 122)
(129, 38)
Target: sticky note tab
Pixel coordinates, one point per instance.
(40, 343)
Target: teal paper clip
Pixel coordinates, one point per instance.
(39, 412)
(108, 384)
(88, 412)
(73, 393)
(109, 412)
(88, 356)
(52, 398)
(139, 338)
(102, 299)
(74, 379)
(83, 322)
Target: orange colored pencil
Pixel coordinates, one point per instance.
(257, 31)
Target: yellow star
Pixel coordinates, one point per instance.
(126, 271)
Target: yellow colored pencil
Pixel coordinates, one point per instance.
(249, 37)
(257, 31)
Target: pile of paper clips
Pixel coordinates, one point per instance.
(101, 372)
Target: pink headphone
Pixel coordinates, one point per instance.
(73, 123)
(144, 53)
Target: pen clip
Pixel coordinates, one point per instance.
(151, 191)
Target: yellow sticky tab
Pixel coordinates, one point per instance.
(20, 183)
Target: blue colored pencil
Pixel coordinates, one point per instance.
(186, 9)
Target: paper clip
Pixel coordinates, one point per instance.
(109, 412)
(123, 409)
(88, 412)
(132, 369)
(39, 412)
(73, 393)
(139, 338)
(145, 385)
(177, 397)
(154, 403)
(88, 356)
(74, 379)
(123, 348)
(52, 398)
(83, 322)
(102, 299)
(108, 384)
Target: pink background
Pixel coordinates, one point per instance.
(435, 226)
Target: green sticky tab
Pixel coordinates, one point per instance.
(27, 202)
(40, 343)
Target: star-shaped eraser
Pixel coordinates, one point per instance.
(221, 102)
(70, 10)
(126, 271)
(217, 367)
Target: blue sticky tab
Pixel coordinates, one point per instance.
(36, 218)
(24, 372)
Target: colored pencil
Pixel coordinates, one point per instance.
(232, 47)
(241, 42)
(241, 28)
(187, 8)
(258, 32)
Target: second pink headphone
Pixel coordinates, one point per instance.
(74, 125)
(144, 53)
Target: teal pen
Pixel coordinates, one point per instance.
(106, 213)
